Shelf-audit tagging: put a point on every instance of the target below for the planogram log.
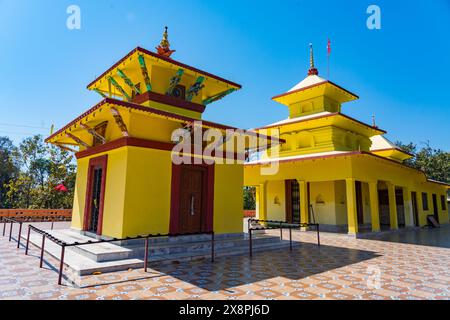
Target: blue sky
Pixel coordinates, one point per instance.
(400, 72)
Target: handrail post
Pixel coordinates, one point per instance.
(61, 263)
(10, 230)
(290, 238)
(20, 235)
(28, 240)
(250, 242)
(4, 226)
(281, 230)
(318, 235)
(42, 250)
(52, 225)
(146, 254)
(212, 246)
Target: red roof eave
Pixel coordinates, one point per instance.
(153, 111)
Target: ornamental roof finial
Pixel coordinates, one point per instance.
(312, 69)
(164, 47)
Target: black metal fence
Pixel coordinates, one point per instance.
(275, 224)
(64, 245)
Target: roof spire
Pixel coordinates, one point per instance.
(164, 46)
(312, 69)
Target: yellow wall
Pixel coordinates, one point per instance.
(138, 193)
(114, 190)
(147, 191)
(276, 202)
(322, 198)
(228, 198)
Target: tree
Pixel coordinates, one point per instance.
(43, 168)
(249, 198)
(9, 169)
(434, 162)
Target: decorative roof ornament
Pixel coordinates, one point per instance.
(312, 69)
(164, 47)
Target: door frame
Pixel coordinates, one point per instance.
(207, 197)
(415, 208)
(102, 162)
(359, 202)
(435, 207)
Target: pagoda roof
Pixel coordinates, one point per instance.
(384, 147)
(213, 84)
(313, 86)
(329, 118)
(75, 124)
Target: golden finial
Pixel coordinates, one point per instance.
(312, 69)
(165, 40)
(164, 47)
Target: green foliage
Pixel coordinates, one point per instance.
(434, 162)
(9, 169)
(249, 198)
(41, 168)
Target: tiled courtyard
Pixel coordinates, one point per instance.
(410, 265)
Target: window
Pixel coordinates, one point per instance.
(424, 201)
(443, 203)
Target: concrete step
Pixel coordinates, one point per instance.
(110, 252)
(77, 263)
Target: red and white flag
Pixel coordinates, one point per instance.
(329, 47)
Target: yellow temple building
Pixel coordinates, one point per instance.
(338, 171)
(127, 183)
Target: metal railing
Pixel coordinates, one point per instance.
(276, 224)
(12, 222)
(65, 245)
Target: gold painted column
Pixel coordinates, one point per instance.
(352, 218)
(261, 201)
(407, 204)
(374, 208)
(392, 206)
(304, 210)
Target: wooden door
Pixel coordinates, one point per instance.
(414, 208)
(435, 208)
(192, 206)
(93, 214)
(292, 195)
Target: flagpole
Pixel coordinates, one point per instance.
(328, 58)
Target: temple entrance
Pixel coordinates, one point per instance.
(400, 207)
(359, 203)
(96, 190)
(435, 208)
(192, 204)
(383, 204)
(414, 208)
(292, 189)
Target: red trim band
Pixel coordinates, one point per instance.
(161, 98)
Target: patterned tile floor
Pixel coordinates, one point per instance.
(343, 268)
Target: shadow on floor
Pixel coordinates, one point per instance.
(227, 272)
(433, 237)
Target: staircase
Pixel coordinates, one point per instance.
(109, 257)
